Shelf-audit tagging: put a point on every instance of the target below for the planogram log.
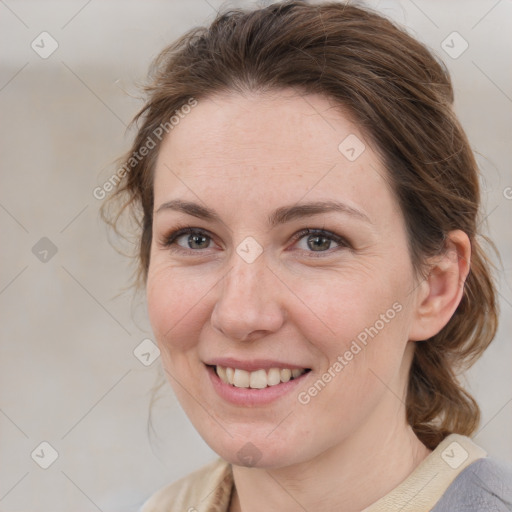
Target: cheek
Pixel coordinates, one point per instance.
(340, 306)
(360, 324)
(174, 303)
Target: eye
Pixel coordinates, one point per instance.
(194, 239)
(320, 240)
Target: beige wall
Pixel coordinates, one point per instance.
(68, 374)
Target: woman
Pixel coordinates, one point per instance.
(308, 205)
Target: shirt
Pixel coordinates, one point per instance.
(455, 477)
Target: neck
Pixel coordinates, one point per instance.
(355, 473)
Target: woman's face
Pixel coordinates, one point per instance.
(252, 295)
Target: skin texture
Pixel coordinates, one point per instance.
(245, 156)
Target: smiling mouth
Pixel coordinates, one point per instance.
(258, 379)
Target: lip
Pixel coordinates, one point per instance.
(253, 364)
(253, 397)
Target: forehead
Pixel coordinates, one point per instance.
(275, 147)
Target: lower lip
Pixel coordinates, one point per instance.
(252, 397)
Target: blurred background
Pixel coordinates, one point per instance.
(77, 360)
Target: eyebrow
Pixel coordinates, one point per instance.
(281, 215)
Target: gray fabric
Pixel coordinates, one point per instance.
(484, 486)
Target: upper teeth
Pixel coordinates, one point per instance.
(258, 379)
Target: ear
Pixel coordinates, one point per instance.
(438, 296)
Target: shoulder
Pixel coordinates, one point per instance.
(484, 485)
(208, 488)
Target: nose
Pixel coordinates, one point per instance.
(249, 303)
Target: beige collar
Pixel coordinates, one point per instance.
(423, 488)
(209, 488)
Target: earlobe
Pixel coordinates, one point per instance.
(439, 295)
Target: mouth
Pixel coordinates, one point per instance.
(255, 382)
(257, 379)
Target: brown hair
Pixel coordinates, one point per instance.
(402, 99)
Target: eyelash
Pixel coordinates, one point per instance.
(169, 240)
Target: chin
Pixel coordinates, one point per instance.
(257, 450)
